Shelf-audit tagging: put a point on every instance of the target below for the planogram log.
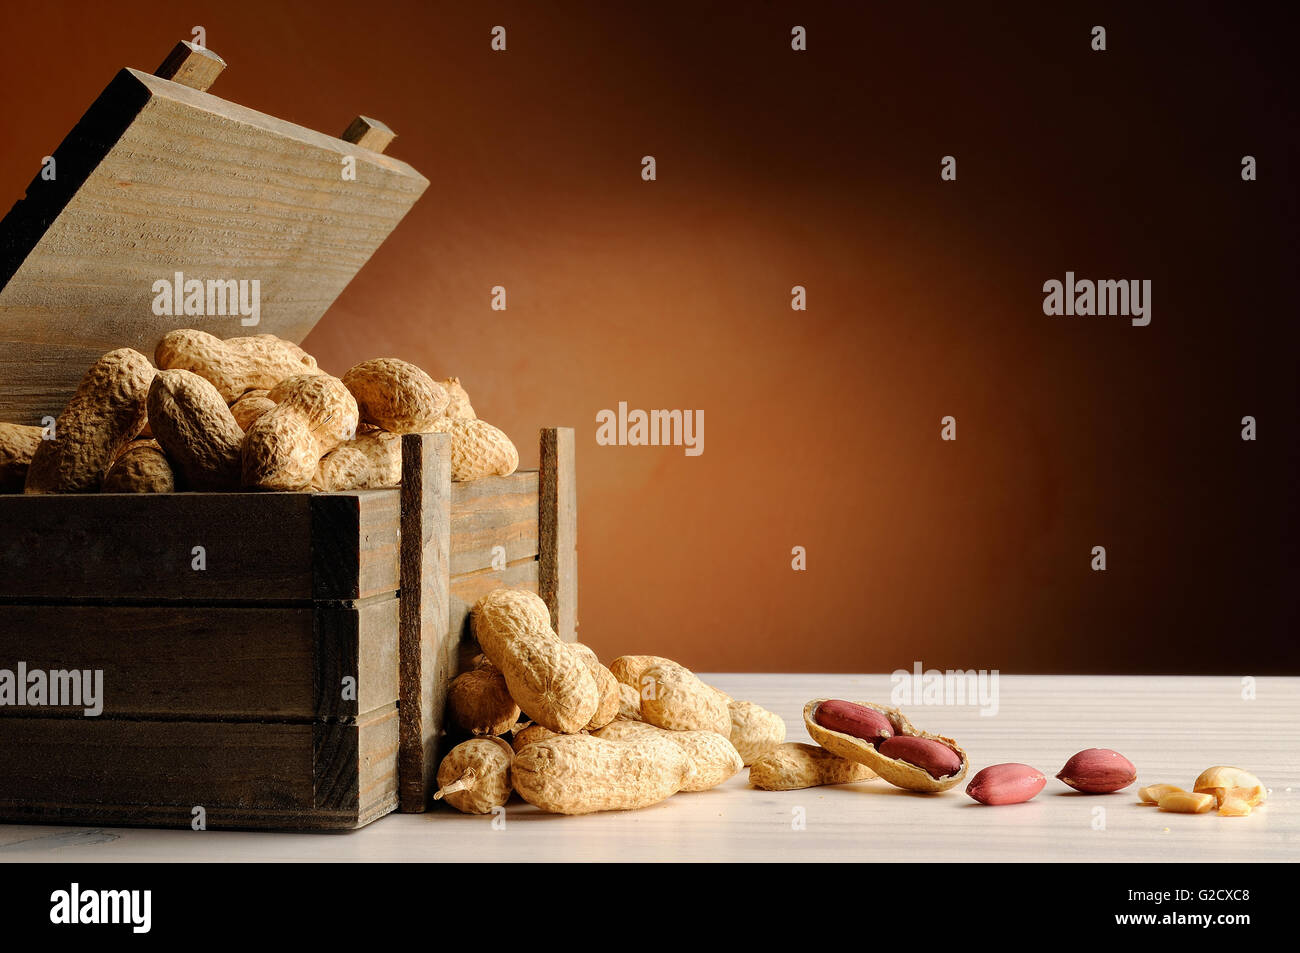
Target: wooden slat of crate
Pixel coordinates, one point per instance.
(355, 766)
(158, 178)
(495, 511)
(212, 662)
(423, 641)
(258, 546)
(553, 574)
(356, 543)
(141, 546)
(180, 816)
(558, 530)
(358, 641)
(464, 591)
(244, 774)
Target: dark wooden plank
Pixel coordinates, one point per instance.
(355, 543)
(356, 641)
(211, 663)
(159, 178)
(423, 669)
(558, 543)
(356, 764)
(336, 546)
(380, 527)
(495, 511)
(464, 591)
(244, 775)
(218, 818)
(257, 546)
(243, 765)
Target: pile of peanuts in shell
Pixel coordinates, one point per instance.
(569, 735)
(252, 413)
(585, 737)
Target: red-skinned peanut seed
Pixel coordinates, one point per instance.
(859, 721)
(1011, 783)
(1098, 771)
(934, 757)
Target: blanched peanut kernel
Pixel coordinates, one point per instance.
(1152, 793)
(1180, 802)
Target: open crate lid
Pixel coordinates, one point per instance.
(159, 177)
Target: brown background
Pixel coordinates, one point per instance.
(822, 428)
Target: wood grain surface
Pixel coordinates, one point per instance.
(423, 643)
(466, 590)
(194, 66)
(212, 662)
(558, 529)
(278, 775)
(257, 546)
(159, 178)
(356, 543)
(368, 133)
(1170, 727)
(491, 512)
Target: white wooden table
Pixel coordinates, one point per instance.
(1170, 727)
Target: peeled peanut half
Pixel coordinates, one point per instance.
(1152, 793)
(1235, 789)
(897, 772)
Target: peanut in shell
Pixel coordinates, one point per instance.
(606, 686)
(458, 404)
(343, 468)
(754, 730)
(474, 777)
(106, 413)
(629, 703)
(628, 669)
(251, 405)
(141, 468)
(396, 395)
(713, 757)
(234, 365)
(18, 442)
(384, 451)
(582, 774)
(478, 449)
(530, 734)
(673, 697)
(196, 430)
(480, 702)
(283, 448)
(897, 772)
(547, 678)
(793, 766)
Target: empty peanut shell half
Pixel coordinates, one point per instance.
(912, 775)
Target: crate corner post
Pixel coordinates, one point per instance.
(427, 662)
(558, 519)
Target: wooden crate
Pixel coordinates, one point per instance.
(296, 678)
(223, 687)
